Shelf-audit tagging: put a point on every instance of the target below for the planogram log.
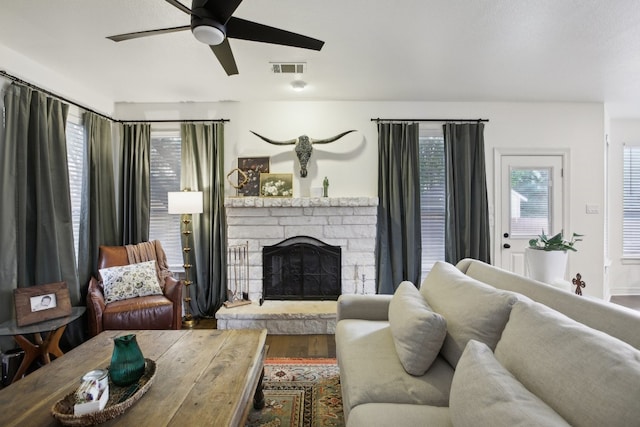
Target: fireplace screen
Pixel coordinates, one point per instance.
(301, 268)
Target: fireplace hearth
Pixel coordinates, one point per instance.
(301, 268)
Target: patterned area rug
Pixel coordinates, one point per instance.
(300, 393)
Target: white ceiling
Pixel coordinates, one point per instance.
(409, 50)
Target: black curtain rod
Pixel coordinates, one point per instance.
(55, 95)
(172, 121)
(104, 116)
(431, 120)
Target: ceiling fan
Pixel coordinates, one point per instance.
(212, 23)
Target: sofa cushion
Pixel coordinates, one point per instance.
(397, 414)
(130, 281)
(484, 393)
(606, 317)
(370, 371)
(473, 309)
(418, 332)
(586, 376)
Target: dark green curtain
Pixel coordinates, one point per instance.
(134, 165)
(203, 170)
(467, 209)
(98, 221)
(35, 218)
(8, 232)
(398, 242)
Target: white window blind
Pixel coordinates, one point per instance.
(631, 221)
(432, 200)
(75, 157)
(165, 177)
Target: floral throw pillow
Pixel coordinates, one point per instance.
(130, 281)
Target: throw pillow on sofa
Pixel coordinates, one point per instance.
(130, 281)
(474, 310)
(484, 393)
(588, 377)
(418, 332)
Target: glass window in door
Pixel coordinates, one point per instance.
(530, 201)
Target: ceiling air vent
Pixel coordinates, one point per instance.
(288, 67)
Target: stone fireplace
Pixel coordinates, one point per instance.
(346, 222)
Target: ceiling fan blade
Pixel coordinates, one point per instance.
(180, 6)
(138, 34)
(221, 9)
(246, 30)
(225, 56)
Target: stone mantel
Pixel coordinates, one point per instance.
(299, 202)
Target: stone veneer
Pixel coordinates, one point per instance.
(348, 222)
(281, 317)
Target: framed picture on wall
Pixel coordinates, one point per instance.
(276, 185)
(253, 167)
(43, 302)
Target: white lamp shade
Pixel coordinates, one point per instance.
(185, 202)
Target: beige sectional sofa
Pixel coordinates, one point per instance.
(480, 346)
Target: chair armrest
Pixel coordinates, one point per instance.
(366, 307)
(95, 307)
(173, 292)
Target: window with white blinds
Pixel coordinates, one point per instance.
(432, 200)
(75, 160)
(165, 177)
(631, 218)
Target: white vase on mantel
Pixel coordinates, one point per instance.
(546, 266)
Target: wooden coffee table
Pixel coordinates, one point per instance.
(204, 377)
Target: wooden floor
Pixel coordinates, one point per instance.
(301, 346)
(312, 346)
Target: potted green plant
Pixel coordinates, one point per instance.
(547, 256)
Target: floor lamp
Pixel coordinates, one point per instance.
(186, 203)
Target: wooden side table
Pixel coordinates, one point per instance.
(53, 330)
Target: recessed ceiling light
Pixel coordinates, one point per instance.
(298, 85)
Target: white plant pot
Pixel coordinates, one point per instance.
(546, 266)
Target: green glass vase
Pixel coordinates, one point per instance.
(127, 361)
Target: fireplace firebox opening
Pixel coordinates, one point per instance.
(301, 268)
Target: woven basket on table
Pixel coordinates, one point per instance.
(118, 402)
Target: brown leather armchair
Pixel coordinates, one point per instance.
(148, 312)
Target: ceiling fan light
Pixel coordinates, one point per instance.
(208, 35)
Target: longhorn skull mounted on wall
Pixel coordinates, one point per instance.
(303, 147)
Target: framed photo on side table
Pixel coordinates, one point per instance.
(43, 302)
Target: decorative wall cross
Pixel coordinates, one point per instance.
(579, 284)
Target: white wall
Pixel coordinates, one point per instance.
(351, 162)
(32, 72)
(624, 275)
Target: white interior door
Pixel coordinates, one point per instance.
(531, 201)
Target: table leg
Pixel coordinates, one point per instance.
(42, 348)
(31, 353)
(52, 342)
(39, 343)
(258, 398)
